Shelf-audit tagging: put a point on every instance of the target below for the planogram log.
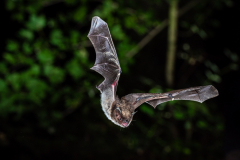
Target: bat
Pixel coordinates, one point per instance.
(121, 111)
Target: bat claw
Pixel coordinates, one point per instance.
(170, 96)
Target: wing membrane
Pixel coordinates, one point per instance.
(106, 63)
(198, 94)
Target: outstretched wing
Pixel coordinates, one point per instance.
(198, 94)
(106, 63)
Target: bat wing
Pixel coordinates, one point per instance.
(198, 94)
(106, 63)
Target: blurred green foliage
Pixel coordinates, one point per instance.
(46, 84)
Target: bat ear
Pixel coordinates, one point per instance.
(119, 109)
(117, 114)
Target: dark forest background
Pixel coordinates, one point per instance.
(50, 108)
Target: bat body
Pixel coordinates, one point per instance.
(121, 111)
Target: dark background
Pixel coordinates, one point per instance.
(50, 108)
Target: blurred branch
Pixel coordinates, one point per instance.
(172, 39)
(171, 51)
(158, 29)
(147, 38)
(187, 7)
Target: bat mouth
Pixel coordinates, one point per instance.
(125, 124)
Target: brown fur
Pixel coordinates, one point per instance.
(125, 107)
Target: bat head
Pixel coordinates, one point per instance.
(123, 114)
(123, 118)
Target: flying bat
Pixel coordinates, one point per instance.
(121, 111)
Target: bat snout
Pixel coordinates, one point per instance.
(125, 123)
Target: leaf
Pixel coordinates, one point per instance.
(213, 77)
(26, 48)
(80, 13)
(56, 115)
(130, 21)
(75, 69)
(74, 37)
(37, 89)
(147, 110)
(51, 23)
(54, 74)
(10, 5)
(117, 32)
(3, 68)
(26, 34)
(156, 89)
(36, 22)
(34, 71)
(202, 124)
(12, 46)
(56, 37)
(178, 115)
(3, 85)
(82, 56)
(186, 151)
(14, 80)
(45, 56)
(9, 58)
(213, 66)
